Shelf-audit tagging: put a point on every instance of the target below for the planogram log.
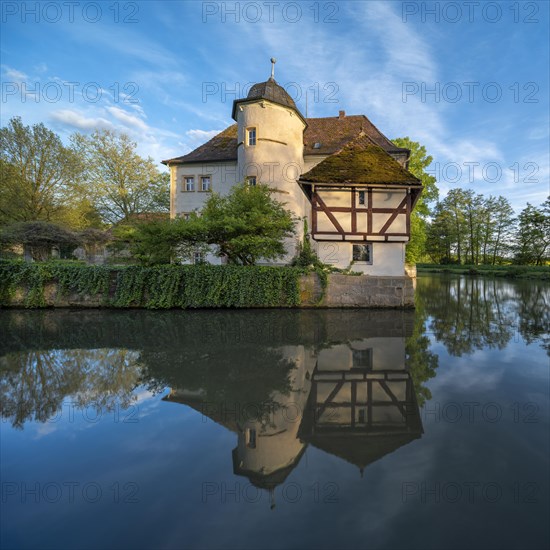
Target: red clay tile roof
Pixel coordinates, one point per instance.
(332, 133)
(361, 160)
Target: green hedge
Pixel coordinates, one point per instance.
(173, 286)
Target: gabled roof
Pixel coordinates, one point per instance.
(360, 161)
(331, 133)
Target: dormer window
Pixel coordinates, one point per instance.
(251, 136)
(317, 145)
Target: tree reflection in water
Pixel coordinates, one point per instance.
(471, 313)
(34, 384)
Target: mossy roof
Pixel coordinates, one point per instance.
(361, 161)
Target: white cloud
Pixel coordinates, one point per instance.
(202, 136)
(77, 120)
(128, 119)
(14, 74)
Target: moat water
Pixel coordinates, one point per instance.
(424, 429)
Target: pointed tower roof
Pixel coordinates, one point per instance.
(270, 91)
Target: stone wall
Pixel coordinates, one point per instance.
(359, 291)
(342, 291)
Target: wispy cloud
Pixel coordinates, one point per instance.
(78, 121)
(13, 74)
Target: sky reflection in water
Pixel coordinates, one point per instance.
(246, 429)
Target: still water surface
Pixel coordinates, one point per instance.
(281, 429)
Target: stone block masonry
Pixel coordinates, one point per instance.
(360, 291)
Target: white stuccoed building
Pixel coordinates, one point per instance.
(341, 174)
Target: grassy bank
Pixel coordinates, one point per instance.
(511, 271)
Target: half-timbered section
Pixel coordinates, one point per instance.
(362, 403)
(361, 196)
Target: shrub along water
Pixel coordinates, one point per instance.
(160, 287)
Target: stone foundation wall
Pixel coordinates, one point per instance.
(358, 291)
(342, 291)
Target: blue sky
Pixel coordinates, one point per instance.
(469, 80)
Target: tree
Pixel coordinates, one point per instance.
(439, 237)
(37, 173)
(244, 226)
(418, 162)
(533, 236)
(499, 226)
(248, 224)
(119, 181)
(38, 238)
(162, 242)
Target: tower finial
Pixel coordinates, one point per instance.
(273, 61)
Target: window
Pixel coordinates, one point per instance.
(317, 145)
(205, 183)
(188, 183)
(361, 197)
(251, 438)
(251, 180)
(362, 358)
(251, 136)
(184, 215)
(362, 253)
(198, 257)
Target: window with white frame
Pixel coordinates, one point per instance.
(251, 136)
(188, 183)
(206, 183)
(199, 257)
(251, 180)
(362, 253)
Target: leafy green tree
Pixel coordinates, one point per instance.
(38, 238)
(246, 225)
(439, 237)
(37, 173)
(467, 227)
(162, 242)
(533, 236)
(497, 228)
(418, 162)
(119, 181)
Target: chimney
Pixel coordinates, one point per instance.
(341, 114)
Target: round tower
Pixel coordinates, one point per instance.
(270, 144)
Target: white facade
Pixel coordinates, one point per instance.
(271, 150)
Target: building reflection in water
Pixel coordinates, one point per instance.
(355, 400)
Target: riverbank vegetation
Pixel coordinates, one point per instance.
(511, 271)
(159, 287)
